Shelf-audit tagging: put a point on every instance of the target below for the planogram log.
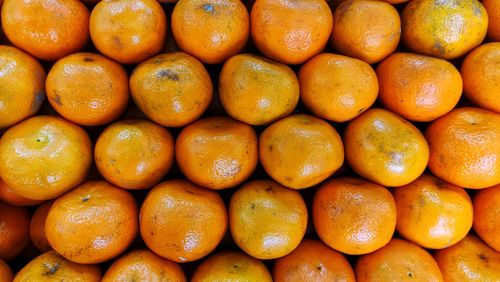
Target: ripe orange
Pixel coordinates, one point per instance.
(486, 219)
(101, 218)
(44, 157)
(88, 89)
(443, 28)
(481, 73)
(354, 216)
(51, 266)
(181, 221)
(38, 235)
(385, 148)
(22, 89)
(493, 9)
(143, 265)
(8, 196)
(398, 261)
(217, 152)
(256, 90)
(337, 88)
(464, 148)
(432, 213)
(171, 89)
(267, 220)
(128, 31)
(134, 154)
(210, 30)
(6, 274)
(313, 261)
(300, 151)
(48, 30)
(231, 266)
(14, 230)
(469, 260)
(290, 32)
(365, 29)
(418, 87)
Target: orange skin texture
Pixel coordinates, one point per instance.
(22, 86)
(290, 32)
(8, 196)
(6, 274)
(144, 265)
(493, 9)
(14, 230)
(88, 89)
(486, 219)
(336, 87)
(51, 266)
(231, 266)
(469, 260)
(354, 216)
(267, 220)
(418, 87)
(198, 214)
(172, 89)
(366, 30)
(102, 218)
(446, 29)
(481, 74)
(217, 152)
(313, 261)
(256, 90)
(37, 228)
(300, 151)
(384, 148)
(37, 157)
(398, 261)
(48, 30)
(134, 154)
(128, 31)
(211, 30)
(433, 213)
(464, 148)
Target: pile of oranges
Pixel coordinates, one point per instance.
(266, 140)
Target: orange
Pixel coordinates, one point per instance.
(22, 86)
(464, 148)
(43, 157)
(128, 31)
(300, 151)
(418, 87)
(365, 29)
(198, 215)
(290, 32)
(481, 73)
(267, 220)
(354, 216)
(469, 260)
(385, 148)
(101, 218)
(217, 152)
(14, 230)
(51, 266)
(398, 261)
(8, 196)
(171, 89)
(486, 219)
(210, 30)
(47, 29)
(6, 274)
(443, 28)
(88, 89)
(313, 261)
(337, 88)
(37, 228)
(493, 9)
(432, 213)
(256, 90)
(134, 154)
(143, 265)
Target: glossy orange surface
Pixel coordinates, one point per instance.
(8, 196)
(14, 230)
(493, 9)
(38, 235)
(486, 219)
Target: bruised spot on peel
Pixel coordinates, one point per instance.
(51, 269)
(209, 8)
(168, 74)
(37, 102)
(57, 100)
